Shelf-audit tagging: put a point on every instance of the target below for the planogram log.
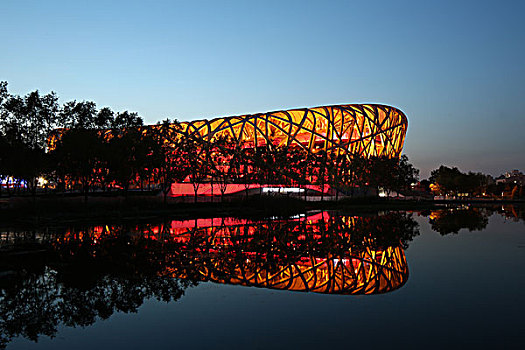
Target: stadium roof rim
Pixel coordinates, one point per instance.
(404, 117)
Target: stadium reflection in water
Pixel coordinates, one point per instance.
(52, 279)
(75, 277)
(318, 253)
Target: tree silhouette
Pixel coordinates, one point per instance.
(451, 221)
(24, 126)
(169, 155)
(79, 282)
(90, 149)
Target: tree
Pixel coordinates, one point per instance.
(5, 147)
(335, 171)
(354, 173)
(404, 174)
(171, 163)
(221, 161)
(447, 179)
(125, 120)
(79, 158)
(196, 151)
(25, 125)
(453, 181)
(104, 118)
(123, 157)
(79, 115)
(380, 173)
(321, 160)
(240, 169)
(124, 149)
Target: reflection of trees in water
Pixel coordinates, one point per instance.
(513, 212)
(78, 276)
(326, 254)
(452, 220)
(77, 284)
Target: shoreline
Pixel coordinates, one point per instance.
(59, 210)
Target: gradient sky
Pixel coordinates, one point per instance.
(456, 68)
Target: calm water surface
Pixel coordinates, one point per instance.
(450, 278)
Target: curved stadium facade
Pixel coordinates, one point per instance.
(357, 129)
(362, 130)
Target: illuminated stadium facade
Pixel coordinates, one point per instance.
(362, 130)
(358, 129)
(354, 130)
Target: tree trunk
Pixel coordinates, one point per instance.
(211, 183)
(85, 190)
(224, 186)
(7, 187)
(195, 190)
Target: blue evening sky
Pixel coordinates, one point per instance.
(456, 68)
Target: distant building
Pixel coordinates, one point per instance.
(514, 177)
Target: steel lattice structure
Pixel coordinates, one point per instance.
(357, 129)
(370, 271)
(225, 257)
(241, 252)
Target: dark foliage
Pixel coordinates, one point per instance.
(451, 221)
(74, 277)
(78, 148)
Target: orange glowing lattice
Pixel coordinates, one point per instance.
(367, 272)
(364, 130)
(240, 252)
(225, 257)
(358, 129)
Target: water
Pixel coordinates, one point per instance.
(390, 280)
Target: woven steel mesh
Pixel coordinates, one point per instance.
(364, 130)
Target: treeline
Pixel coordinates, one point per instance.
(26, 124)
(448, 181)
(78, 148)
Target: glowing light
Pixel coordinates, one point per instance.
(358, 129)
(376, 130)
(282, 190)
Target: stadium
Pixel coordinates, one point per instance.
(363, 130)
(348, 131)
